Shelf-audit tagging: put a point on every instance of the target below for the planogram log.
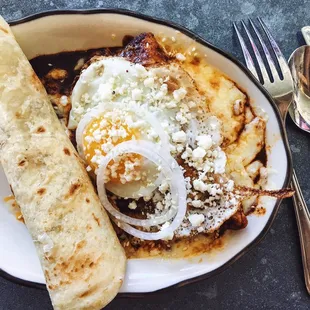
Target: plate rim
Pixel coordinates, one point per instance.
(233, 59)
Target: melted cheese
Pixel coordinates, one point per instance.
(221, 97)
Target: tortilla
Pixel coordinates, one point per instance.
(81, 257)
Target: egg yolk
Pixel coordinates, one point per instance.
(101, 132)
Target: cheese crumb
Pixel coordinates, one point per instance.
(204, 141)
(179, 94)
(200, 186)
(196, 219)
(199, 153)
(179, 136)
(64, 100)
(136, 94)
(196, 203)
(163, 187)
(230, 185)
(149, 82)
(132, 205)
(79, 64)
(180, 57)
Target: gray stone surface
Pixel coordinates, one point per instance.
(270, 276)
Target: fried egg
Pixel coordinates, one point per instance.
(167, 90)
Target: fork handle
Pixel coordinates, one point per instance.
(303, 224)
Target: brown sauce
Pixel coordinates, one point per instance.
(262, 157)
(43, 65)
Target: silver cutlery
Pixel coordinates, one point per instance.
(299, 109)
(306, 34)
(299, 63)
(279, 83)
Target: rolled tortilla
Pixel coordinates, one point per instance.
(81, 257)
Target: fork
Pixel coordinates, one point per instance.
(279, 84)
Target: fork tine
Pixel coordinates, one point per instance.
(257, 54)
(273, 69)
(247, 56)
(280, 57)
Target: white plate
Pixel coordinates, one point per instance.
(58, 31)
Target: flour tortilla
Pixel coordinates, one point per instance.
(81, 257)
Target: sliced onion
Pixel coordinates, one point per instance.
(86, 119)
(172, 172)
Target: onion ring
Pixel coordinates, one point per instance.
(175, 177)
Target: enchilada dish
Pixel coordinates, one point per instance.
(174, 147)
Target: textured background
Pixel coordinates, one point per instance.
(270, 276)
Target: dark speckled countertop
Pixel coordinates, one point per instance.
(271, 275)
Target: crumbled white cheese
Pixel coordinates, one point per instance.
(200, 229)
(180, 148)
(164, 88)
(79, 64)
(63, 100)
(200, 186)
(149, 82)
(179, 136)
(164, 187)
(233, 201)
(181, 118)
(199, 153)
(204, 141)
(136, 94)
(170, 234)
(230, 185)
(171, 104)
(159, 95)
(197, 203)
(180, 57)
(103, 123)
(104, 93)
(179, 94)
(132, 205)
(159, 206)
(220, 162)
(196, 219)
